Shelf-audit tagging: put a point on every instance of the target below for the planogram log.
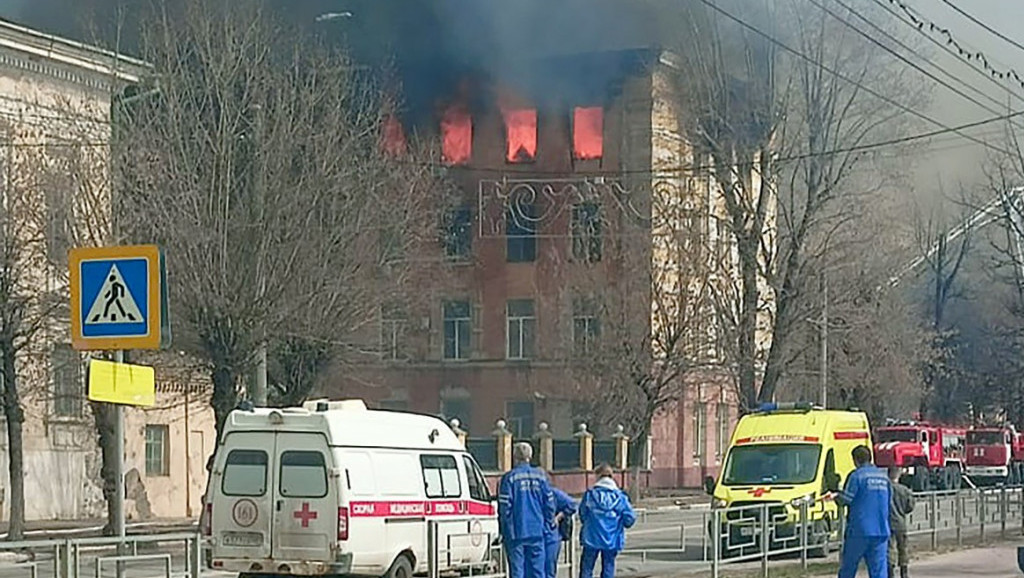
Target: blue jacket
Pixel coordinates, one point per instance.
(605, 513)
(867, 494)
(526, 505)
(566, 506)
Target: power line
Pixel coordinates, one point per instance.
(975, 20)
(921, 22)
(902, 58)
(841, 76)
(919, 28)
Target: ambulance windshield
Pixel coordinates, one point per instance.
(772, 464)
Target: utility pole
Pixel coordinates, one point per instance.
(823, 329)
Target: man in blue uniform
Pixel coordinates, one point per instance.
(605, 513)
(867, 494)
(559, 531)
(526, 508)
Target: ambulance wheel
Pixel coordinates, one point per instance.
(400, 568)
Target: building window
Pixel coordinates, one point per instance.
(456, 408)
(68, 382)
(456, 136)
(458, 233)
(521, 232)
(521, 328)
(520, 418)
(390, 246)
(157, 451)
(586, 232)
(723, 428)
(520, 135)
(588, 132)
(392, 333)
(586, 327)
(699, 435)
(457, 321)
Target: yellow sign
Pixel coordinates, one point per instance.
(121, 383)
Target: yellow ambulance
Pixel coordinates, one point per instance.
(781, 456)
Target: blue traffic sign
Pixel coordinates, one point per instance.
(116, 297)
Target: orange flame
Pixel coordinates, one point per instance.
(520, 134)
(588, 132)
(456, 135)
(393, 136)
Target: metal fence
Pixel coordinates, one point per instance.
(175, 555)
(766, 532)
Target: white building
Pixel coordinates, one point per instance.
(55, 99)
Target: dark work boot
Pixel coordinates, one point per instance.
(904, 572)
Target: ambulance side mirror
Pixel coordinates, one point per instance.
(832, 481)
(709, 485)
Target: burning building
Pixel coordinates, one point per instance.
(566, 190)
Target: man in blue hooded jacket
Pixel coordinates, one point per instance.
(605, 513)
(526, 508)
(866, 495)
(559, 530)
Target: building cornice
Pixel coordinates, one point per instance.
(45, 54)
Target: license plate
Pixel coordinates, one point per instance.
(746, 531)
(248, 539)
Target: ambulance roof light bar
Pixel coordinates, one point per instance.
(770, 407)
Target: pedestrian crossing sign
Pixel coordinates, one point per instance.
(117, 300)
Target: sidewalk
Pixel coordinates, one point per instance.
(995, 562)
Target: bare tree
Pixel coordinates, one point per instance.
(257, 164)
(781, 112)
(643, 320)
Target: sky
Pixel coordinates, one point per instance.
(954, 161)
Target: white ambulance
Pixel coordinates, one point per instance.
(335, 488)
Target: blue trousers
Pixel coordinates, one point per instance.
(607, 562)
(874, 551)
(551, 549)
(526, 558)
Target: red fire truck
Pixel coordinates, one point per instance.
(932, 454)
(995, 455)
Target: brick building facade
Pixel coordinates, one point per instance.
(554, 197)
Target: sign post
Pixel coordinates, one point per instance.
(118, 302)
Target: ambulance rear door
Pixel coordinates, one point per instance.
(242, 504)
(305, 498)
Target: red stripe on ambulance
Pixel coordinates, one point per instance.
(419, 509)
(851, 435)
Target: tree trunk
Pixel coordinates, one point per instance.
(103, 415)
(747, 345)
(225, 395)
(16, 466)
